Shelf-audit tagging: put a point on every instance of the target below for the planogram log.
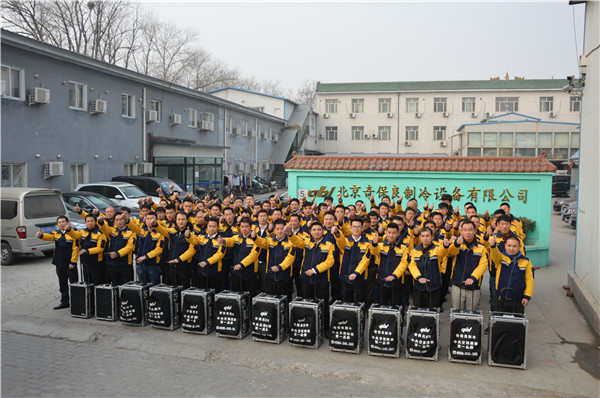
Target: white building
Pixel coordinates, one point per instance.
(423, 117)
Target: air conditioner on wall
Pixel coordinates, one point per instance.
(443, 144)
(367, 136)
(151, 116)
(53, 169)
(417, 114)
(322, 136)
(145, 168)
(206, 126)
(98, 106)
(445, 114)
(235, 131)
(474, 114)
(353, 115)
(266, 166)
(175, 119)
(407, 143)
(38, 95)
(325, 115)
(390, 114)
(375, 136)
(488, 114)
(275, 138)
(552, 114)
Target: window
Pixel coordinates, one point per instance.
(545, 139)
(228, 125)
(244, 127)
(561, 139)
(546, 104)
(524, 152)
(575, 104)
(506, 140)
(358, 105)
(77, 96)
(490, 139)
(507, 104)
(439, 104)
(130, 169)
(412, 105)
(14, 175)
(128, 105)
(412, 133)
(439, 133)
(12, 83)
(385, 105)
(79, 175)
(9, 209)
(42, 206)
(547, 150)
(192, 118)
(331, 105)
(385, 133)
(473, 151)
(474, 139)
(490, 151)
(209, 117)
(506, 152)
(560, 153)
(468, 104)
(331, 133)
(357, 133)
(574, 140)
(525, 139)
(156, 105)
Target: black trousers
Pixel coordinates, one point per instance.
(353, 292)
(425, 299)
(336, 284)
(240, 284)
(209, 282)
(262, 276)
(391, 295)
(94, 273)
(180, 274)
(280, 288)
(371, 282)
(504, 305)
(297, 281)
(226, 268)
(65, 275)
(319, 292)
(120, 275)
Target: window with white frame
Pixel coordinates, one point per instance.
(156, 105)
(546, 104)
(269, 134)
(412, 105)
(385, 105)
(575, 104)
(77, 96)
(439, 133)
(14, 174)
(468, 104)
(412, 133)
(244, 127)
(130, 169)
(439, 104)
(79, 174)
(128, 105)
(209, 117)
(357, 133)
(331, 133)
(192, 118)
(331, 105)
(507, 104)
(228, 125)
(358, 105)
(384, 133)
(12, 83)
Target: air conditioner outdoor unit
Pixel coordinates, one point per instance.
(239, 167)
(552, 114)
(275, 138)
(375, 136)
(250, 134)
(151, 116)
(98, 106)
(325, 115)
(417, 114)
(445, 114)
(235, 131)
(175, 119)
(322, 136)
(53, 169)
(38, 95)
(474, 114)
(266, 166)
(206, 126)
(489, 114)
(145, 168)
(390, 114)
(353, 115)
(367, 136)
(443, 144)
(407, 143)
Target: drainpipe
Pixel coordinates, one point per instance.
(398, 124)
(144, 138)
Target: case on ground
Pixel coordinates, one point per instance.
(107, 302)
(81, 297)
(197, 306)
(306, 323)
(232, 314)
(133, 303)
(384, 330)
(507, 340)
(164, 307)
(269, 318)
(465, 337)
(422, 333)
(346, 327)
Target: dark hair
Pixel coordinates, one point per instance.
(316, 223)
(409, 209)
(295, 215)
(228, 208)
(431, 222)
(474, 215)
(126, 209)
(499, 211)
(356, 219)
(212, 219)
(180, 212)
(246, 220)
(295, 200)
(328, 198)
(160, 209)
(332, 214)
(472, 206)
(276, 209)
(249, 194)
(263, 211)
(505, 204)
(151, 213)
(279, 221)
(359, 200)
(503, 217)
(393, 225)
(188, 199)
(443, 205)
(373, 214)
(216, 204)
(246, 211)
(426, 229)
(341, 207)
(436, 213)
(469, 204)
(513, 237)
(146, 206)
(65, 217)
(306, 204)
(384, 204)
(374, 207)
(88, 216)
(467, 222)
(170, 206)
(447, 197)
(323, 204)
(398, 218)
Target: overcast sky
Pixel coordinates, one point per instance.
(386, 41)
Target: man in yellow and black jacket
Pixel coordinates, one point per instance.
(178, 254)
(65, 257)
(119, 252)
(209, 255)
(91, 251)
(392, 256)
(149, 247)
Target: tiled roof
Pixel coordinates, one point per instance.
(422, 163)
(443, 85)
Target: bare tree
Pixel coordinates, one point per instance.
(307, 93)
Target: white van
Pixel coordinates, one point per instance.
(24, 212)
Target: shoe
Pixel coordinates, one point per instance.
(61, 306)
(486, 330)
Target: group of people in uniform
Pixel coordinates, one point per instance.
(331, 251)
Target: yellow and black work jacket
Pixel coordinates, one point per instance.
(93, 241)
(228, 231)
(467, 261)
(245, 253)
(393, 260)
(177, 244)
(280, 254)
(66, 248)
(514, 275)
(318, 256)
(150, 243)
(121, 241)
(427, 263)
(500, 241)
(207, 250)
(299, 253)
(263, 233)
(355, 256)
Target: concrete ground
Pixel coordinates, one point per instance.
(49, 353)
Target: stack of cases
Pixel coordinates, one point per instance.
(465, 336)
(164, 307)
(82, 299)
(133, 298)
(269, 318)
(422, 334)
(232, 314)
(507, 340)
(384, 326)
(306, 323)
(197, 310)
(107, 301)
(347, 325)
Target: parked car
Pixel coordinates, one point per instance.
(573, 220)
(558, 203)
(150, 184)
(568, 210)
(24, 212)
(561, 184)
(269, 184)
(87, 201)
(122, 193)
